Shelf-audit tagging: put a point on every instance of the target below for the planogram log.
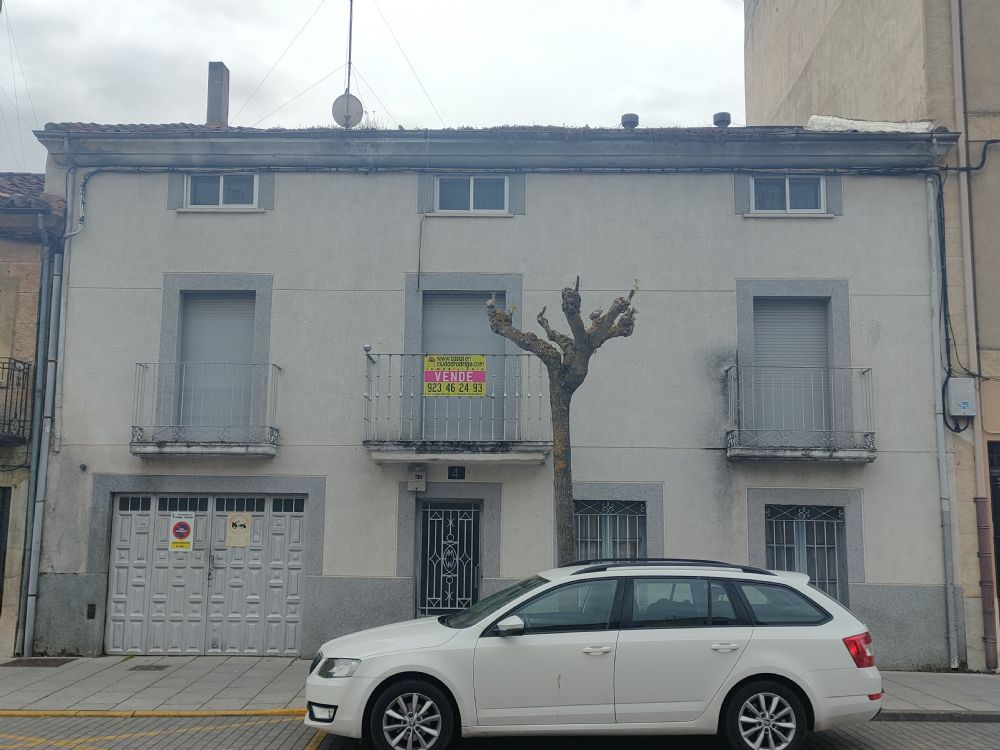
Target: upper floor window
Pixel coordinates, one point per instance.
(222, 191)
(788, 194)
(486, 194)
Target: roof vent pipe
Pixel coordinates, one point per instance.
(722, 119)
(218, 95)
(630, 121)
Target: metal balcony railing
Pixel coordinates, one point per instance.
(184, 402)
(509, 401)
(15, 401)
(801, 408)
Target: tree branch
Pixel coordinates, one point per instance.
(571, 309)
(563, 341)
(599, 330)
(500, 323)
(622, 329)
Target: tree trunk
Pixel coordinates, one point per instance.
(562, 474)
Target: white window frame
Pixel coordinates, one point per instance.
(788, 209)
(220, 206)
(471, 211)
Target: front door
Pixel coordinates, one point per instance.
(449, 557)
(680, 639)
(560, 670)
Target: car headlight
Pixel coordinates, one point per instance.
(338, 667)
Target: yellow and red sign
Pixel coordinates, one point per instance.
(455, 375)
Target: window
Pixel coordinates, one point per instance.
(778, 605)
(472, 194)
(588, 605)
(222, 191)
(681, 602)
(610, 530)
(788, 194)
(809, 539)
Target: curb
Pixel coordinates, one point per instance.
(955, 717)
(83, 714)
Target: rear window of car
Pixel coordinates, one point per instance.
(780, 605)
(680, 603)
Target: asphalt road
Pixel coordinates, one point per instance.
(288, 733)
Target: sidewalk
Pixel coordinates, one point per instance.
(240, 685)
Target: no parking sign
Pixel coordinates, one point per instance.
(181, 532)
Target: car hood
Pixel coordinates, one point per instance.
(426, 632)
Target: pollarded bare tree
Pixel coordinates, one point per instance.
(567, 360)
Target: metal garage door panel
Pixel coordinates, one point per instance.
(283, 630)
(237, 585)
(128, 585)
(177, 583)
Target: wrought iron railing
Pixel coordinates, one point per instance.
(509, 402)
(822, 408)
(185, 402)
(15, 401)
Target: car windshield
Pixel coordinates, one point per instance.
(485, 607)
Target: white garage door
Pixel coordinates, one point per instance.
(235, 591)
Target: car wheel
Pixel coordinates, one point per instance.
(412, 715)
(764, 716)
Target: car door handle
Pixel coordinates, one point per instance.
(724, 646)
(597, 650)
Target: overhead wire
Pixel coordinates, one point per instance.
(280, 57)
(13, 81)
(301, 93)
(405, 57)
(380, 102)
(20, 64)
(10, 138)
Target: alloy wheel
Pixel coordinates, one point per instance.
(412, 722)
(767, 722)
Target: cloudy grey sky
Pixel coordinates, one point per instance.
(482, 62)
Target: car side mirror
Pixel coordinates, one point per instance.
(512, 625)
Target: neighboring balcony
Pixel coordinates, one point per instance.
(494, 411)
(204, 409)
(801, 414)
(15, 401)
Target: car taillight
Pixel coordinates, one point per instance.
(861, 650)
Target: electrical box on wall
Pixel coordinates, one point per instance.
(961, 397)
(417, 479)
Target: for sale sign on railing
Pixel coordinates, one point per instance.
(455, 375)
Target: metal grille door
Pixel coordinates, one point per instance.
(809, 539)
(449, 570)
(610, 530)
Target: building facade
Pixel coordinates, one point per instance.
(280, 414)
(934, 61)
(30, 224)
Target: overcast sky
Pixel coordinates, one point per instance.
(524, 62)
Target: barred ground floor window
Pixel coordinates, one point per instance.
(809, 539)
(610, 529)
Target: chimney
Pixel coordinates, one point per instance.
(218, 95)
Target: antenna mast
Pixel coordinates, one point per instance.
(350, 42)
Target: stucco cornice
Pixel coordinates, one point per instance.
(501, 148)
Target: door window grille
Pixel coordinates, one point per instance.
(449, 575)
(809, 539)
(610, 530)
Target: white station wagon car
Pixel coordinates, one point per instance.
(612, 648)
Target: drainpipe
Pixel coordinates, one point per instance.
(987, 587)
(937, 368)
(41, 341)
(56, 305)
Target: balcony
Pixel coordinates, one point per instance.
(199, 409)
(463, 409)
(15, 401)
(801, 414)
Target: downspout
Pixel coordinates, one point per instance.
(41, 484)
(944, 484)
(987, 588)
(41, 339)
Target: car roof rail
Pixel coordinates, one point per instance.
(601, 564)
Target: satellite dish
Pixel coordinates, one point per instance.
(347, 110)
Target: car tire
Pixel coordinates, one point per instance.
(765, 711)
(414, 714)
